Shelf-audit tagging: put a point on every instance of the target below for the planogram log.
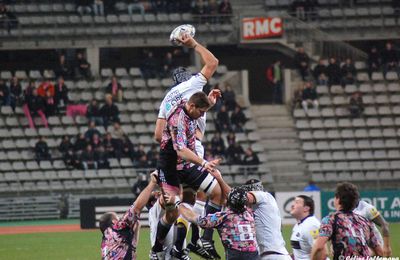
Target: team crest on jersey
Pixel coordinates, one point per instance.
(314, 233)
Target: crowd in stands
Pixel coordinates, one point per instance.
(335, 73)
(8, 20)
(198, 7)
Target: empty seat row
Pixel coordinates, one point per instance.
(349, 134)
(353, 155)
(362, 123)
(340, 145)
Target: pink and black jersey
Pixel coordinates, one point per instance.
(118, 241)
(237, 230)
(180, 133)
(351, 234)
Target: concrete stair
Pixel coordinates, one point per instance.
(282, 146)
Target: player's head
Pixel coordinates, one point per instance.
(253, 185)
(237, 200)
(346, 196)
(107, 220)
(302, 207)
(197, 105)
(180, 75)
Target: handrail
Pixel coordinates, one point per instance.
(325, 45)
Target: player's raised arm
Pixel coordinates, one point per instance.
(380, 221)
(144, 196)
(160, 125)
(209, 60)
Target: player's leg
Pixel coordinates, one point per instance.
(169, 184)
(198, 178)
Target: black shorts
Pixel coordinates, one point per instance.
(194, 177)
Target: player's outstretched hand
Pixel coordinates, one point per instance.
(154, 177)
(169, 199)
(214, 95)
(217, 174)
(210, 166)
(187, 40)
(387, 251)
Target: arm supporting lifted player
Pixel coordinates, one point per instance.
(209, 67)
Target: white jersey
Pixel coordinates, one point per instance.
(369, 212)
(268, 224)
(184, 91)
(303, 236)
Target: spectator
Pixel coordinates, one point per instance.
(109, 145)
(142, 163)
(229, 97)
(135, 5)
(35, 105)
(217, 143)
(356, 106)
(70, 159)
(88, 159)
(157, 6)
(348, 72)
(274, 76)
(250, 158)
(149, 66)
(117, 135)
(102, 158)
(223, 122)
(311, 187)
(16, 96)
(390, 61)
(127, 148)
(225, 8)
(115, 89)
(309, 97)
(320, 73)
(374, 61)
(234, 154)
(61, 93)
(303, 63)
(50, 105)
(42, 150)
(62, 69)
(92, 130)
(140, 185)
(152, 155)
(82, 67)
(213, 11)
(8, 20)
(80, 144)
(93, 112)
(95, 142)
(299, 7)
(168, 65)
(138, 152)
(98, 7)
(65, 145)
(109, 112)
(238, 119)
(231, 138)
(333, 72)
(4, 94)
(83, 6)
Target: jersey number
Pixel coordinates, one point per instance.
(245, 233)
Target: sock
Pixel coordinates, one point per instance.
(162, 231)
(210, 209)
(181, 232)
(195, 234)
(198, 207)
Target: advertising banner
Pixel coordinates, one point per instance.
(387, 202)
(261, 28)
(286, 199)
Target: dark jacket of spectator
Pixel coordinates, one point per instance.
(225, 7)
(229, 97)
(234, 153)
(80, 143)
(93, 110)
(61, 92)
(223, 122)
(250, 158)
(319, 70)
(36, 103)
(4, 93)
(302, 62)
(389, 55)
(238, 119)
(334, 72)
(62, 69)
(16, 96)
(92, 130)
(65, 145)
(356, 104)
(110, 113)
(42, 150)
(309, 94)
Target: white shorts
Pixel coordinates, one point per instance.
(276, 257)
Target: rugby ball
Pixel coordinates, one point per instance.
(179, 31)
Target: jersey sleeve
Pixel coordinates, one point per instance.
(326, 228)
(370, 211)
(201, 124)
(197, 82)
(312, 234)
(373, 240)
(128, 220)
(211, 220)
(260, 196)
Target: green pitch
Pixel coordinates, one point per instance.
(86, 245)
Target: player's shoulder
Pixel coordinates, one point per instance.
(311, 222)
(329, 218)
